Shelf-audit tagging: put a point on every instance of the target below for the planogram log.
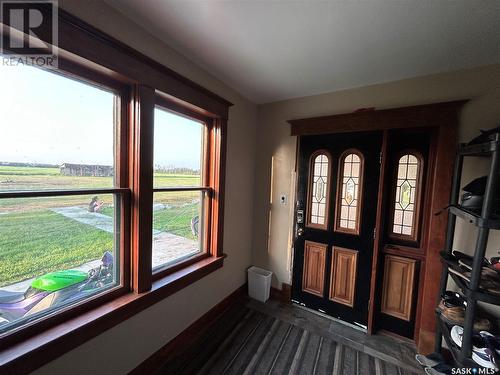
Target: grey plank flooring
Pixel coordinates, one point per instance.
(277, 339)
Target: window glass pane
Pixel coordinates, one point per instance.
(351, 167)
(55, 252)
(56, 132)
(406, 193)
(178, 226)
(178, 150)
(319, 190)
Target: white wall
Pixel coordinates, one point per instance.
(123, 347)
(271, 238)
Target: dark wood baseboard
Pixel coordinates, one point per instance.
(187, 337)
(284, 295)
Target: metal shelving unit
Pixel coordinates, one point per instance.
(484, 222)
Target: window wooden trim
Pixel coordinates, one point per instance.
(79, 38)
(310, 192)
(340, 178)
(208, 184)
(414, 237)
(34, 352)
(71, 70)
(84, 49)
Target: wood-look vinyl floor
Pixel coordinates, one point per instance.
(273, 338)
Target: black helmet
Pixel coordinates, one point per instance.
(472, 202)
(472, 199)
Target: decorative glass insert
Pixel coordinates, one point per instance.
(407, 186)
(319, 191)
(351, 167)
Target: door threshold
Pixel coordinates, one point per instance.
(351, 325)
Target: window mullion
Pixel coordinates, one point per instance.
(217, 154)
(141, 176)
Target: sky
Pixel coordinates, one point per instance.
(50, 119)
(177, 141)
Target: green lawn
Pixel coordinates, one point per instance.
(36, 242)
(175, 219)
(33, 178)
(27, 171)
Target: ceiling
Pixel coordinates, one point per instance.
(275, 50)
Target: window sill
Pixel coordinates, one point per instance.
(40, 349)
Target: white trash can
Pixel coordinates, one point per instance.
(259, 283)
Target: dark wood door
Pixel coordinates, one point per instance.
(336, 207)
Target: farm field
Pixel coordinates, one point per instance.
(32, 178)
(35, 239)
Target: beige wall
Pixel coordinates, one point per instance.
(123, 347)
(276, 148)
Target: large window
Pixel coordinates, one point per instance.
(180, 191)
(111, 192)
(60, 199)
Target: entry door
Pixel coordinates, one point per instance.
(336, 207)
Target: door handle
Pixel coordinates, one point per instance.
(300, 232)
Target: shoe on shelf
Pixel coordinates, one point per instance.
(488, 271)
(456, 316)
(458, 255)
(453, 299)
(482, 353)
(495, 263)
(489, 283)
(452, 310)
(492, 340)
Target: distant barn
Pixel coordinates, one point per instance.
(68, 169)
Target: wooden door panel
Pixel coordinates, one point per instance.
(313, 280)
(397, 286)
(343, 279)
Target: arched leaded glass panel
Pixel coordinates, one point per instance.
(406, 196)
(349, 192)
(319, 191)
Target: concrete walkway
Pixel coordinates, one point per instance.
(82, 215)
(167, 247)
(97, 220)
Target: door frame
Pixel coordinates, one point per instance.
(442, 120)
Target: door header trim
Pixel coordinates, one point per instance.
(426, 115)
